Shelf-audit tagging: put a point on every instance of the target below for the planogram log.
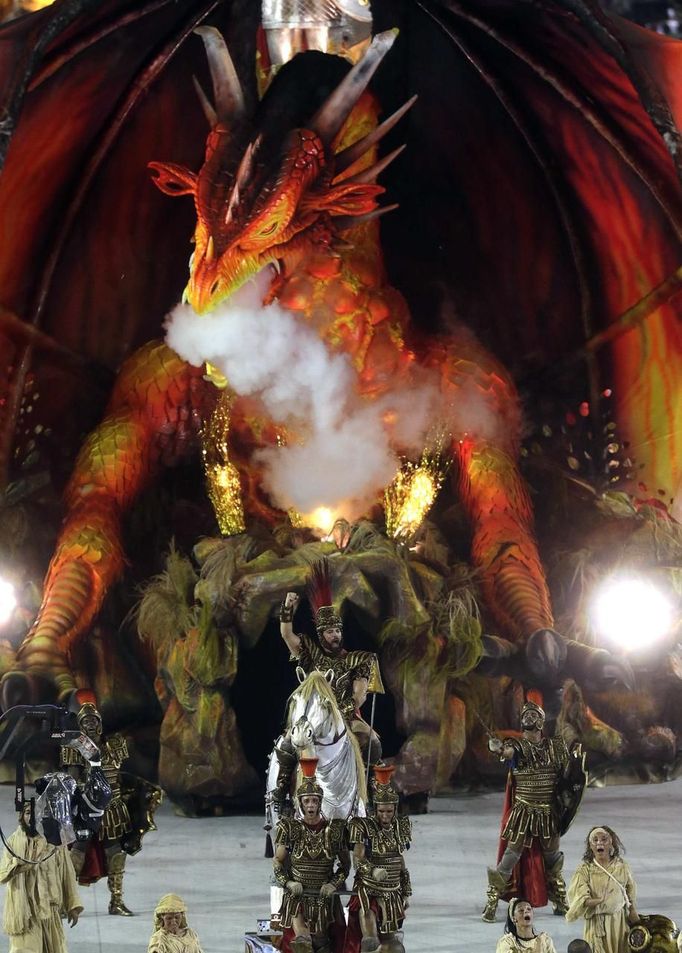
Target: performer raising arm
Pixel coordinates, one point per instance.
(546, 784)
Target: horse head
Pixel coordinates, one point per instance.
(314, 716)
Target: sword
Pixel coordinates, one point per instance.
(491, 736)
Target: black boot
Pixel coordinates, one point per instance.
(556, 886)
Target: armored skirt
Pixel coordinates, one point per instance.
(384, 850)
(606, 926)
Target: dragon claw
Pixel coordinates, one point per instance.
(18, 688)
(546, 653)
(615, 672)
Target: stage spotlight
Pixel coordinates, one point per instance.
(8, 601)
(631, 612)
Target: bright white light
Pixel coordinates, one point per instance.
(631, 612)
(8, 601)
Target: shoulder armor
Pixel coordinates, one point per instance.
(69, 756)
(361, 662)
(307, 657)
(405, 828)
(560, 748)
(358, 830)
(117, 748)
(337, 833)
(285, 832)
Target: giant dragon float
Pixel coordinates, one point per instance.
(470, 405)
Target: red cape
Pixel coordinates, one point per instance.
(95, 865)
(528, 877)
(353, 932)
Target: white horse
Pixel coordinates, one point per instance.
(316, 729)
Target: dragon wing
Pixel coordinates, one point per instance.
(94, 255)
(538, 189)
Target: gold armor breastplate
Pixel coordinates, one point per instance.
(536, 785)
(313, 853)
(346, 669)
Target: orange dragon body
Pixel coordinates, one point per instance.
(308, 206)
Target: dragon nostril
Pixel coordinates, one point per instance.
(215, 286)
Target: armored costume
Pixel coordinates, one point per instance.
(311, 863)
(346, 666)
(118, 834)
(382, 880)
(536, 770)
(354, 673)
(545, 786)
(114, 751)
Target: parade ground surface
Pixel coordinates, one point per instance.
(217, 866)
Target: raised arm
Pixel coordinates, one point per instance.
(286, 627)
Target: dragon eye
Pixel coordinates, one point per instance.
(269, 230)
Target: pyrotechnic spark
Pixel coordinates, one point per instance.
(412, 493)
(222, 477)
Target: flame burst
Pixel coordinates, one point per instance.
(321, 521)
(412, 493)
(222, 477)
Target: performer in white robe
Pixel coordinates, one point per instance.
(603, 892)
(171, 933)
(519, 935)
(37, 893)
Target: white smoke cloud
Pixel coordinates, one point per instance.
(343, 448)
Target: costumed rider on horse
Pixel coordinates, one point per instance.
(354, 674)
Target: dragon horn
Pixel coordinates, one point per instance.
(227, 90)
(209, 111)
(369, 175)
(329, 118)
(344, 159)
(342, 222)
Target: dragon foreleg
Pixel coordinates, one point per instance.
(152, 419)
(503, 544)
(485, 422)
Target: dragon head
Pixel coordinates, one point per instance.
(262, 201)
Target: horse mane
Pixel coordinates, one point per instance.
(314, 682)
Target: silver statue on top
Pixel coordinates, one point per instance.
(331, 26)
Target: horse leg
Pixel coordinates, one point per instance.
(287, 760)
